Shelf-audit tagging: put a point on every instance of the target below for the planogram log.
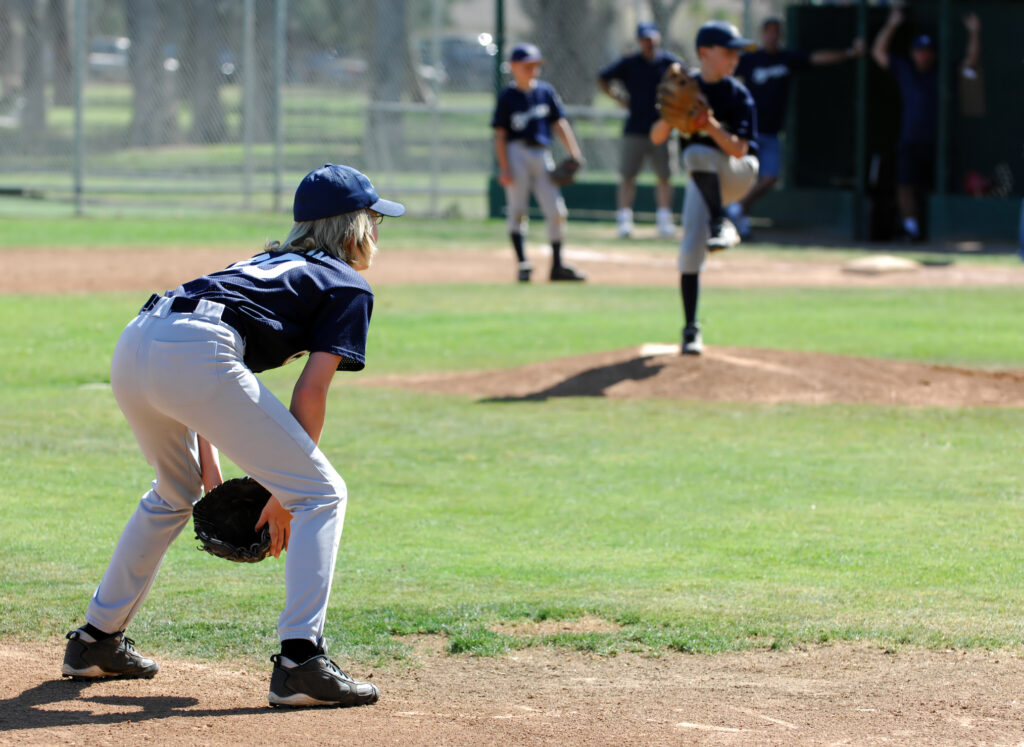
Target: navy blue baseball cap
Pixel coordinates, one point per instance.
(333, 190)
(723, 34)
(922, 41)
(526, 53)
(647, 30)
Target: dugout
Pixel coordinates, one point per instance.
(843, 125)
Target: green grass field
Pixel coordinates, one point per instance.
(697, 527)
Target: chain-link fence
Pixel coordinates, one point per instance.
(225, 104)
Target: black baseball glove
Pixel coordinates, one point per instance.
(224, 519)
(564, 173)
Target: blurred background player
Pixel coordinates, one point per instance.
(767, 73)
(638, 74)
(527, 112)
(720, 160)
(918, 81)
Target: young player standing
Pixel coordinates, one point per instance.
(720, 160)
(527, 113)
(186, 365)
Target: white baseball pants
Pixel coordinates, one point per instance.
(530, 168)
(735, 178)
(175, 375)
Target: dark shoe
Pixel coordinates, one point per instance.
(524, 269)
(318, 681)
(717, 240)
(693, 343)
(112, 657)
(567, 272)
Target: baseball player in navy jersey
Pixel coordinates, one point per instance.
(187, 365)
(528, 111)
(767, 74)
(720, 160)
(639, 74)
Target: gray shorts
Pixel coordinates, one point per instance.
(636, 148)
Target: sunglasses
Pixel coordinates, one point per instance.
(377, 218)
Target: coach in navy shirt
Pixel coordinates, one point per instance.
(637, 76)
(767, 73)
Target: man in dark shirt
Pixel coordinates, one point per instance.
(638, 75)
(918, 82)
(767, 73)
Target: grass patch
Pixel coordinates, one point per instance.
(696, 527)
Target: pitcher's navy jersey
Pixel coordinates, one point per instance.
(528, 115)
(733, 107)
(767, 75)
(640, 77)
(290, 303)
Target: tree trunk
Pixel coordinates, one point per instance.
(573, 37)
(59, 12)
(154, 109)
(33, 116)
(393, 76)
(200, 71)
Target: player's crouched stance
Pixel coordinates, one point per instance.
(186, 366)
(720, 160)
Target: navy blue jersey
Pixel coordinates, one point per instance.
(733, 107)
(920, 94)
(640, 77)
(290, 303)
(767, 76)
(528, 115)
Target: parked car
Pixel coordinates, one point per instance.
(467, 61)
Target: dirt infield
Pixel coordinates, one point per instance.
(843, 694)
(44, 270)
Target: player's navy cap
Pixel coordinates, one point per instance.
(647, 30)
(722, 34)
(922, 41)
(526, 53)
(333, 190)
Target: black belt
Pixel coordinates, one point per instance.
(184, 305)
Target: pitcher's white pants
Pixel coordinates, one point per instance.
(175, 375)
(735, 178)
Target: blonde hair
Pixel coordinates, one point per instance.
(348, 236)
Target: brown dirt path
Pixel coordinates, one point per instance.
(842, 694)
(52, 270)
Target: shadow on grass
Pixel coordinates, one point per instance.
(591, 383)
(34, 708)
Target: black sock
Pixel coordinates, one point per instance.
(711, 191)
(517, 244)
(95, 632)
(689, 285)
(298, 649)
(556, 253)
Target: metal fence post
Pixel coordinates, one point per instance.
(435, 115)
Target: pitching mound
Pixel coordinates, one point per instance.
(727, 374)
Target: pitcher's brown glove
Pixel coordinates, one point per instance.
(224, 519)
(681, 103)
